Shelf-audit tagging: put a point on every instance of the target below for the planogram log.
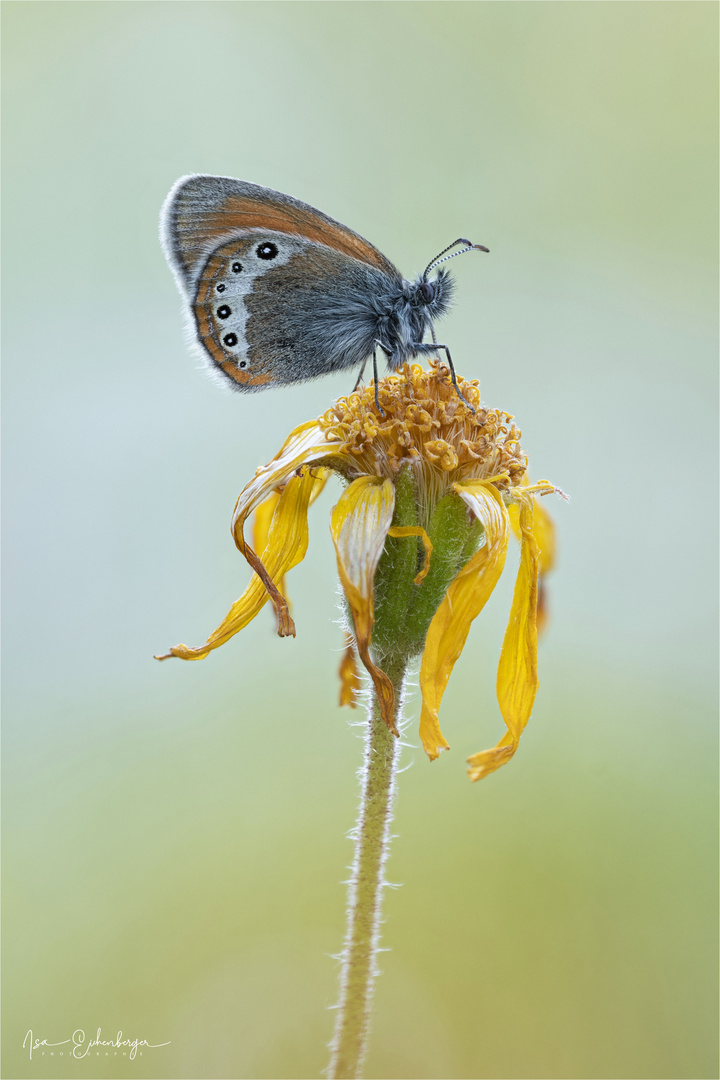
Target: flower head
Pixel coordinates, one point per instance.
(434, 485)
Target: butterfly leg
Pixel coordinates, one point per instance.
(375, 376)
(359, 378)
(453, 376)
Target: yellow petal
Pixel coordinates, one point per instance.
(467, 595)
(262, 519)
(349, 678)
(285, 626)
(517, 679)
(544, 531)
(263, 515)
(416, 530)
(543, 527)
(359, 526)
(286, 546)
(305, 445)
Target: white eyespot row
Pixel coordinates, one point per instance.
(236, 281)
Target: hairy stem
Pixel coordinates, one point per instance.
(365, 890)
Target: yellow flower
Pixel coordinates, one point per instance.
(420, 532)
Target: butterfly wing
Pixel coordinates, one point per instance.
(279, 292)
(273, 308)
(202, 210)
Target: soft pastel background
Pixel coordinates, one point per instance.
(175, 835)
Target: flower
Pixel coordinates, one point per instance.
(435, 483)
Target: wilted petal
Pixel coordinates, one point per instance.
(416, 530)
(304, 445)
(263, 515)
(349, 676)
(467, 595)
(262, 519)
(286, 546)
(359, 526)
(544, 531)
(543, 526)
(517, 679)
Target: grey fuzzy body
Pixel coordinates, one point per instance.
(322, 311)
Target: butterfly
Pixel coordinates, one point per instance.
(279, 292)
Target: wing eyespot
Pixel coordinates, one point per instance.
(220, 287)
(236, 267)
(267, 250)
(223, 312)
(230, 340)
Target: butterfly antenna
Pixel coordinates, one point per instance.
(439, 258)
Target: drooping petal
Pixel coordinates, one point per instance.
(517, 679)
(305, 445)
(544, 532)
(359, 526)
(349, 677)
(263, 515)
(467, 595)
(416, 530)
(262, 519)
(317, 478)
(543, 529)
(543, 526)
(286, 546)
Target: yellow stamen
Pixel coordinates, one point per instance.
(423, 421)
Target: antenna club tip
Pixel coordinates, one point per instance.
(481, 247)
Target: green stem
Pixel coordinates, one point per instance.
(365, 890)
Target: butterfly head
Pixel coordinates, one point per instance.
(432, 295)
(435, 295)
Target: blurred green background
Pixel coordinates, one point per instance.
(175, 835)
